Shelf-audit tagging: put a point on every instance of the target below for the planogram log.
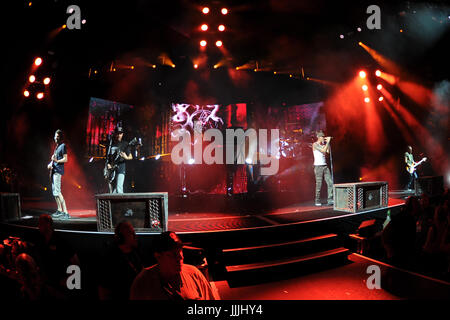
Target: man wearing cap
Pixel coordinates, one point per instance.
(118, 153)
(320, 148)
(170, 278)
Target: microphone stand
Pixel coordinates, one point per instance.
(331, 163)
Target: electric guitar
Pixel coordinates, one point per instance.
(50, 167)
(411, 168)
(110, 173)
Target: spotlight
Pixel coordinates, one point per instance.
(157, 157)
(91, 159)
(204, 27)
(64, 26)
(47, 81)
(359, 29)
(205, 10)
(32, 78)
(224, 11)
(380, 99)
(341, 36)
(195, 66)
(40, 95)
(379, 87)
(83, 21)
(248, 161)
(38, 61)
(221, 27)
(26, 93)
(378, 73)
(191, 161)
(362, 74)
(203, 43)
(366, 100)
(365, 87)
(219, 43)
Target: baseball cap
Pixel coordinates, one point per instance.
(320, 134)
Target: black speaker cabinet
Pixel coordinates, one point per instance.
(360, 196)
(431, 186)
(10, 206)
(147, 212)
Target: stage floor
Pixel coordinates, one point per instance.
(84, 219)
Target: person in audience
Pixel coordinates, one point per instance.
(33, 286)
(122, 263)
(170, 278)
(399, 236)
(53, 254)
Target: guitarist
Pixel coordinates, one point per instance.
(118, 153)
(56, 167)
(411, 164)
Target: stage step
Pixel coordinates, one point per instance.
(268, 266)
(279, 250)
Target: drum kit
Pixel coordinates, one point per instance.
(292, 143)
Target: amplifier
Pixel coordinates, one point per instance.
(147, 212)
(10, 206)
(431, 186)
(360, 196)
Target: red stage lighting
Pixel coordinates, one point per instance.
(365, 87)
(47, 81)
(362, 74)
(378, 73)
(380, 99)
(205, 10)
(221, 27)
(195, 66)
(204, 27)
(366, 99)
(379, 87)
(26, 93)
(38, 61)
(224, 11)
(32, 78)
(40, 95)
(219, 43)
(203, 43)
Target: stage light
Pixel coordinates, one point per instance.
(40, 95)
(38, 61)
(30, 4)
(83, 21)
(132, 67)
(359, 29)
(378, 73)
(26, 93)
(224, 11)
(204, 27)
(380, 99)
(365, 87)
(219, 43)
(366, 100)
(173, 66)
(203, 43)
(64, 26)
(341, 36)
(91, 159)
(360, 178)
(248, 161)
(142, 159)
(157, 157)
(216, 66)
(362, 74)
(47, 81)
(32, 78)
(191, 161)
(205, 10)
(379, 87)
(221, 27)
(195, 66)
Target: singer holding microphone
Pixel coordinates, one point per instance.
(320, 148)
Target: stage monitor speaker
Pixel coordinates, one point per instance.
(431, 186)
(360, 196)
(10, 206)
(147, 212)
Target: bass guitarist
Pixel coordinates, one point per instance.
(118, 153)
(411, 167)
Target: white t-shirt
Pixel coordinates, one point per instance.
(319, 157)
